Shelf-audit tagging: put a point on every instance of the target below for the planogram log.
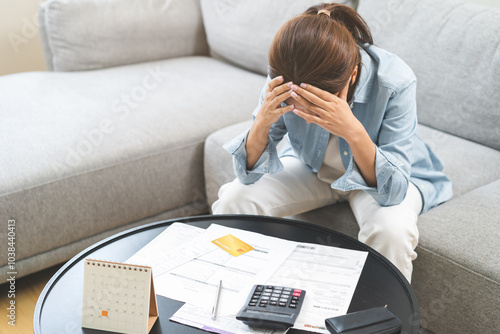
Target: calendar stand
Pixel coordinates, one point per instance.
(118, 297)
(153, 307)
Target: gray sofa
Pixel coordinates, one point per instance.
(128, 126)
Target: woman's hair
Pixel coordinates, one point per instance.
(320, 49)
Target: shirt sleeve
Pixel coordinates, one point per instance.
(269, 161)
(393, 151)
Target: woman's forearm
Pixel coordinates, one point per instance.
(364, 153)
(269, 113)
(256, 142)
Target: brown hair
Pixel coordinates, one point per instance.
(320, 49)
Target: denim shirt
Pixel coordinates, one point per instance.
(385, 103)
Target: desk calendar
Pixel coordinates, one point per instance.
(118, 297)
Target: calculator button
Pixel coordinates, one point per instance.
(273, 303)
(252, 304)
(274, 299)
(292, 306)
(259, 288)
(295, 298)
(282, 304)
(283, 300)
(287, 289)
(296, 294)
(262, 305)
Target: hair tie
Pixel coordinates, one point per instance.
(324, 11)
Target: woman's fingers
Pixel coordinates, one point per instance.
(312, 108)
(314, 94)
(283, 110)
(274, 82)
(277, 87)
(307, 116)
(279, 94)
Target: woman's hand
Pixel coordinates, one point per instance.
(271, 109)
(269, 113)
(327, 110)
(333, 114)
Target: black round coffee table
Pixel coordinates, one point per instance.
(59, 307)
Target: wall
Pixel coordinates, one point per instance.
(20, 47)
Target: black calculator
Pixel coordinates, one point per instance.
(272, 306)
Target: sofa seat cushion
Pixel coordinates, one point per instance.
(465, 230)
(85, 152)
(457, 271)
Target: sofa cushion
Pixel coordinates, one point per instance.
(218, 163)
(90, 34)
(454, 49)
(242, 31)
(469, 165)
(457, 271)
(475, 216)
(90, 151)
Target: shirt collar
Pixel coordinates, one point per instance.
(364, 88)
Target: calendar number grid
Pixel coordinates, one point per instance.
(116, 297)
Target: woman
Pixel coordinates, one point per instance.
(347, 111)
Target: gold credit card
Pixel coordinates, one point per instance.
(232, 245)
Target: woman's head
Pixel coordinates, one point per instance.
(320, 47)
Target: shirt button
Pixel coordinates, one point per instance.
(346, 153)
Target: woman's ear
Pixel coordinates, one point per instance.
(354, 75)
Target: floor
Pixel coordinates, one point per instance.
(27, 290)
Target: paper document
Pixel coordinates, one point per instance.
(329, 275)
(155, 252)
(191, 272)
(188, 265)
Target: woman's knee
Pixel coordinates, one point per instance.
(397, 225)
(236, 198)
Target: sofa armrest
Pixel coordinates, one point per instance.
(91, 34)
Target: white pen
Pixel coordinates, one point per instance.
(216, 301)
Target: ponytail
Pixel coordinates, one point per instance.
(346, 16)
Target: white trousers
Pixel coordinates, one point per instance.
(392, 231)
